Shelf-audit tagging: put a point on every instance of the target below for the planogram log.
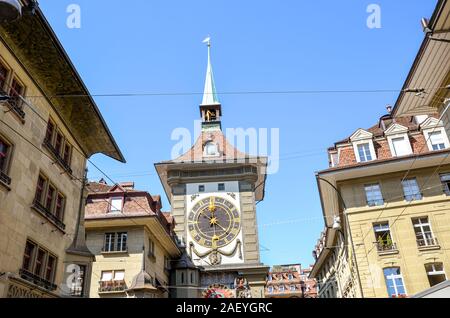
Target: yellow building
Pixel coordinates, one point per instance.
(386, 205)
(43, 152)
(132, 240)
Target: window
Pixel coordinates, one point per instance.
(290, 276)
(292, 287)
(373, 194)
(122, 241)
(28, 255)
(281, 288)
(221, 187)
(424, 235)
(107, 276)
(445, 180)
(400, 146)
(383, 237)
(364, 152)
(211, 149)
(151, 248)
(116, 205)
(16, 91)
(115, 242)
(5, 153)
(78, 276)
(269, 278)
(58, 145)
(436, 140)
(167, 264)
(3, 76)
(38, 261)
(109, 242)
(411, 190)
(49, 200)
(435, 273)
(40, 188)
(119, 275)
(270, 289)
(394, 282)
(201, 188)
(192, 278)
(50, 268)
(49, 132)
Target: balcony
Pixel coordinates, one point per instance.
(36, 280)
(427, 243)
(15, 104)
(112, 286)
(38, 207)
(384, 248)
(59, 160)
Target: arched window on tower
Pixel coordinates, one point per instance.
(211, 149)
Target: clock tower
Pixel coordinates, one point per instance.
(213, 190)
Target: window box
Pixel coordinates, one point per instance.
(112, 286)
(386, 249)
(38, 207)
(36, 280)
(430, 243)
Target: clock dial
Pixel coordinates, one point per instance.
(214, 222)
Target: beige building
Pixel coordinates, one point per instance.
(43, 151)
(386, 206)
(132, 240)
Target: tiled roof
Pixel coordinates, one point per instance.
(417, 140)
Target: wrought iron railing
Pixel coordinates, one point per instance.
(386, 247)
(43, 210)
(37, 280)
(112, 286)
(59, 159)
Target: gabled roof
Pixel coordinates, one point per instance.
(395, 129)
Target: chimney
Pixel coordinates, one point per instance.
(389, 109)
(127, 185)
(102, 181)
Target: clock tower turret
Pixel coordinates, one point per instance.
(213, 189)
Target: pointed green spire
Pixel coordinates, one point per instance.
(209, 93)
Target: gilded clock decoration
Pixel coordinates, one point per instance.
(214, 222)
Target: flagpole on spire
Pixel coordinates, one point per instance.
(209, 94)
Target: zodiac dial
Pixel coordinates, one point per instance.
(214, 222)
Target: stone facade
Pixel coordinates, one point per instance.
(42, 242)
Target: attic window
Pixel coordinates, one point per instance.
(363, 146)
(364, 152)
(211, 149)
(116, 205)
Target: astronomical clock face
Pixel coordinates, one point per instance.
(214, 222)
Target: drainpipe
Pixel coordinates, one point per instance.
(347, 225)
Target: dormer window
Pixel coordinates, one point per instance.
(434, 133)
(437, 140)
(363, 146)
(397, 136)
(364, 152)
(116, 205)
(400, 147)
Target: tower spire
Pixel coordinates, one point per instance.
(209, 93)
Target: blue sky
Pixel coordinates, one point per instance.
(147, 46)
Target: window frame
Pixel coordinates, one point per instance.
(406, 141)
(435, 272)
(110, 206)
(394, 277)
(5, 170)
(3, 88)
(42, 201)
(378, 202)
(414, 196)
(424, 237)
(428, 132)
(47, 254)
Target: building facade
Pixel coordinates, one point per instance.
(290, 281)
(385, 200)
(213, 189)
(132, 240)
(43, 153)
